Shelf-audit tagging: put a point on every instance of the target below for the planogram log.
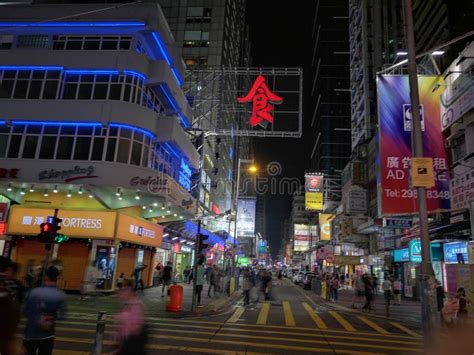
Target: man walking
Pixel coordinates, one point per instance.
(44, 305)
(199, 281)
(167, 272)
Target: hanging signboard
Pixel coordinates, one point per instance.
(395, 116)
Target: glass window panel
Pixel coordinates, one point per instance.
(84, 131)
(35, 89)
(20, 128)
(3, 144)
(51, 130)
(70, 91)
(50, 89)
(34, 129)
(72, 78)
(58, 45)
(145, 156)
(48, 144)
(20, 89)
(29, 148)
(98, 148)
(136, 153)
(9, 74)
(91, 45)
(88, 78)
(126, 93)
(70, 130)
(123, 150)
(111, 143)
(85, 92)
(102, 78)
(6, 88)
(138, 136)
(115, 90)
(53, 74)
(109, 44)
(74, 45)
(24, 74)
(125, 44)
(192, 35)
(14, 147)
(65, 148)
(113, 131)
(125, 132)
(83, 145)
(100, 91)
(38, 74)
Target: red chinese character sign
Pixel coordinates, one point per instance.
(398, 195)
(262, 99)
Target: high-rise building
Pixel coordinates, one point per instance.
(213, 34)
(330, 100)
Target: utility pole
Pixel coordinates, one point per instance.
(49, 248)
(427, 274)
(197, 256)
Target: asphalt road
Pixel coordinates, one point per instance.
(290, 323)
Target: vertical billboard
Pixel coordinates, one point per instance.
(314, 185)
(246, 217)
(305, 234)
(325, 225)
(398, 196)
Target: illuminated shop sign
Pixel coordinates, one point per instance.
(262, 99)
(184, 177)
(455, 252)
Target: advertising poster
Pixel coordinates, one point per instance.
(395, 114)
(325, 225)
(314, 201)
(314, 187)
(246, 217)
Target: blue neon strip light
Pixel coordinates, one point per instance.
(55, 123)
(15, 67)
(132, 72)
(73, 24)
(144, 131)
(184, 120)
(91, 71)
(165, 54)
(169, 97)
(172, 150)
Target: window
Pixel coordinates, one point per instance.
(196, 39)
(92, 42)
(123, 151)
(97, 148)
(32, 41)
(29, 149)
(6, 41)
(65, 148)
(199, 15)
(14, 148)
(110, 156)
(48, 145)
(81, 151)
(136, 153)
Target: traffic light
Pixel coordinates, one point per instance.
(55, 227)
(202, 245)
(45, 233)
(60, 238)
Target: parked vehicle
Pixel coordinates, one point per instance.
(307, 279)
(298, 277)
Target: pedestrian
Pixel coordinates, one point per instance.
(199, 281)
(44, 306)
(212, 281)
(159, 272)
(266, 284)
(369, 292)
(186, 274)
(387, 291)
(90, 281)
(120, 280)
(336, 284)
(167, 272)
(10, 305)
(359, 289)
(30, 274)
(375, 284)
(247, 285)
(440, 296)
(137, 276)
(397, 291)
(131, 334)
(342, 280)
(463, 302)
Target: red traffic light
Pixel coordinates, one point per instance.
(45, 227)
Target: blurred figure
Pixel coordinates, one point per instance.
(44, 305)
(131, 331)
(137, 276)
(359, 289)
(369, 292)
(30, 275)
(10, 300)
(90, 281)
(167, 272)
(440, 296)
(199, 281)
(212, 280)
(266, 284)
(247, 285)
(186, 274)
(397, 291)
(463, 302)
(120, 280)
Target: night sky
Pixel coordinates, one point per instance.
(280, 37)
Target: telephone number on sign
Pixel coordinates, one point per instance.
(412, 193)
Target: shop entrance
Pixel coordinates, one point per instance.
(105, 263)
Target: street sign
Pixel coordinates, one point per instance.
(329, 258)
(422, 174)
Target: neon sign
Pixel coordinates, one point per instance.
(262, 99)
(184, 177)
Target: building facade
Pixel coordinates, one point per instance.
(93, 124)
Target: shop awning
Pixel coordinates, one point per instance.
(188, 230)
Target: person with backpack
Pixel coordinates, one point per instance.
(10, 305)
(44, 305)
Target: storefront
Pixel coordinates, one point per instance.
(458, 268)
(350, 264)
(182, 258)
(106, 239)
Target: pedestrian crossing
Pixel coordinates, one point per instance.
(302, 314)
(290, 327)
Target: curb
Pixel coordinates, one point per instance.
(216, 307)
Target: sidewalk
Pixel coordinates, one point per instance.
(154, 303)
